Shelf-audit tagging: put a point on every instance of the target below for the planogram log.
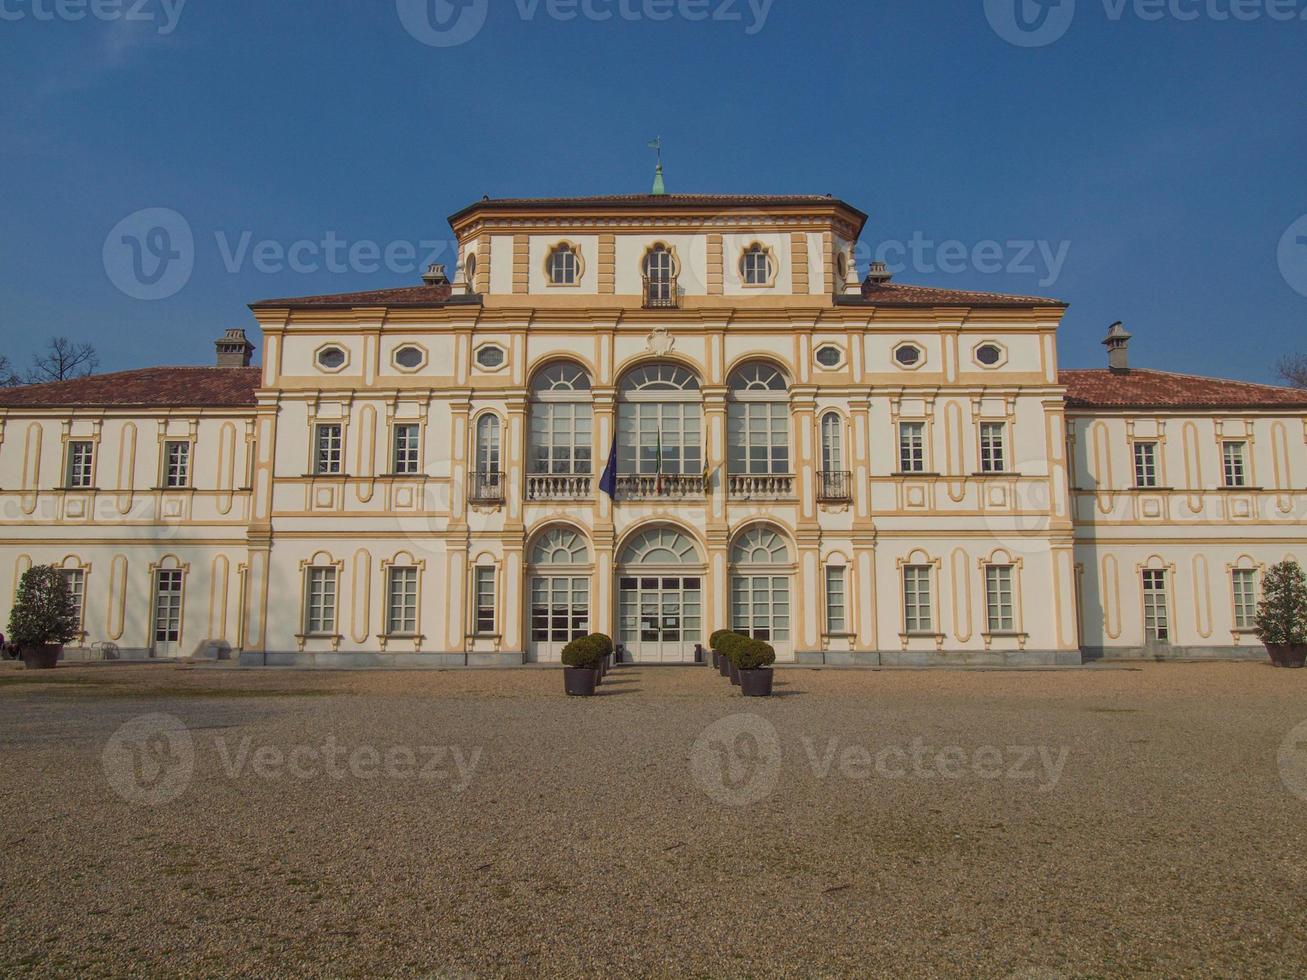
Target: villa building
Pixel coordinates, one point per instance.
(656, 416)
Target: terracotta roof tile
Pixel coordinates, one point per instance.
(903, 294)
(159, 387)
(1137, 389)
(655, 202)
(418, 296)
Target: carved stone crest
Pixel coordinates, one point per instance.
(661, 342)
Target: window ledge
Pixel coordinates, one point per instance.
(401, 636)
(1006, 634)
(995, 474)
(921, 636)
(1225, 489)
(335, 637)
(326, 476)
(174, 489)
(76, 489)
(919, 473)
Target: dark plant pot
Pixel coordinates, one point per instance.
(1287, 656)
(723, 665)
(734, 674)
(716, 660)
(757, 683)
(44, 657)
(580, 682)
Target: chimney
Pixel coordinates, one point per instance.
(877, 275)
(1118, 348)
(234, 350)
(435, 275)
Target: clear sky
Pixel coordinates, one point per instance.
(1153, 170)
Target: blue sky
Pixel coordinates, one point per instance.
(1162, 160)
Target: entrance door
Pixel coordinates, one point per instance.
(660, 618)
(560, 613)
(167, 611)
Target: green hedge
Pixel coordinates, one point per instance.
(587, 651)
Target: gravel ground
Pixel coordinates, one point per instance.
(1088, 822)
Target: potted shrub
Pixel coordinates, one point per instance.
(605, 644)
(581, 659)
(44, 617)
(731, 646)
(726, 641)
(715, 645)
(1282, 614)
(754, 660)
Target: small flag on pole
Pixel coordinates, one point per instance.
(658, 484)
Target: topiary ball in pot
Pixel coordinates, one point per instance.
(755, 655)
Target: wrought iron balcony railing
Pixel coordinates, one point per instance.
(486, 488)
(834, 486)
(760, 486)
(559, 486)
(661, 294)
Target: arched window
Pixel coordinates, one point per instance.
(756, 266)
(832, 443)
(562, 421)
(560, 546)
(758, 421)
(659, 422)
(660, 546)
(760, 586)
(659, 268)
(488, 451)
(564, 265)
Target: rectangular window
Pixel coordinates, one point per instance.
(1157, 624)
(998, 597)
(484, 601)
(406, 449)
(1145, 465)
(912, 447)
(1233, 457)
(326, 454)
(993, 451)
(81, 459)
(402, 602)
(561, 440)
(759, 435)
(917, 616)
(646, 429)
(167, 605)
(177, 464)
(1245, 598)
(320, 602)
(836, 618)
(75, 581)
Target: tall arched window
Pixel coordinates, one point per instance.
(758, 421)
(564, 265)
(760, 586)
(560, 592)
(659, 422)
(756, 266)
(488, 480)
(660, 596)
(659, 269)
(562, 421)
(832, 443)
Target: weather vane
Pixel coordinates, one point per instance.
(659, 188)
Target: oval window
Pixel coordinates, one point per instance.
(409, 357)
(829, 356)
(490, 357)
(908, 355)
(331, 358)
(989, 354)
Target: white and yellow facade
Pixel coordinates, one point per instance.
(857, 471)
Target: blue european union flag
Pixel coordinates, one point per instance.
(608, 482)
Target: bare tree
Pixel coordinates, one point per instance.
(1293, 370)
(9, 378)
(62, 360)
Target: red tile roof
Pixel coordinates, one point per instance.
(902, 294)
(1139, 389)
(411, 296)
(159, 387)
(656, 202)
